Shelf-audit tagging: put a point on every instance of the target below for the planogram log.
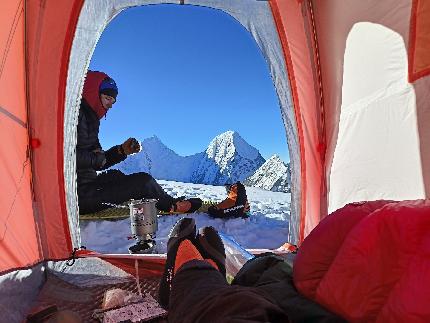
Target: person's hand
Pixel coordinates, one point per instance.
(130, 146)
(100, 158)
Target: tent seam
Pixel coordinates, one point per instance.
(10, 37)
(29, 153)
(323, 144)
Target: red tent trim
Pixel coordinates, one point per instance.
(60, 116)
(413, 72)
(322, 146)
(13, 117)
(297, 112)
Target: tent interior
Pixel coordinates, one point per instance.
(352, 82)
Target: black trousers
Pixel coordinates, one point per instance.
(115, 187)
(201, 294)
(262, 291)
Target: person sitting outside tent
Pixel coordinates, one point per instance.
(194, 287)
(95, 190)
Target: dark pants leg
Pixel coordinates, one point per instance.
(269, 273)
(201, 294)
(116, 187)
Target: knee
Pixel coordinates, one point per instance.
(115, 172)
(143, 177)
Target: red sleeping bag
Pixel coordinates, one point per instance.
(370, 261)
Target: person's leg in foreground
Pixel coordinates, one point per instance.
(194, 288)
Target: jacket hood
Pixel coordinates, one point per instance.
(91, 92)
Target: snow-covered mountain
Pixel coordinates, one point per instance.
(227, 159)
(274, 175)
(160, 161)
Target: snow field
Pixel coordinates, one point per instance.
(267, 227)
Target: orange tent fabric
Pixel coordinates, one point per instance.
(19, 242)
(33, 223)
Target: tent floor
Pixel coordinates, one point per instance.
(85, 300)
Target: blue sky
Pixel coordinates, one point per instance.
(187, 74)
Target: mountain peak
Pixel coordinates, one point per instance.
(153, 138)
(273, 175)
(228, 158)
(229, 143)
(274, 157)
(230, 134)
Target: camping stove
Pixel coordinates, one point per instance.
(144, 225)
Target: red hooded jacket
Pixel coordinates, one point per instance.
(91, 92)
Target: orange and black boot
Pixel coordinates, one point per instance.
(234, 206)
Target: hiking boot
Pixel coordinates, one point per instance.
(241, 191)
(235, 205)
(210, 246)
(186, 205)
(184, 229)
